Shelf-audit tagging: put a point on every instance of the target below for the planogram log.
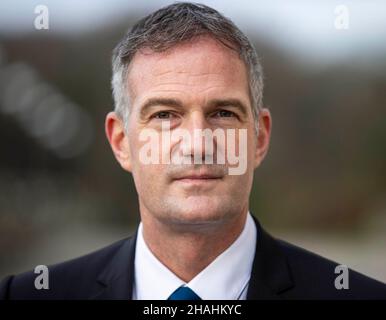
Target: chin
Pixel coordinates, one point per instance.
(198, 210)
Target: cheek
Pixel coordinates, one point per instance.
(148, 180)
(240, 182)
(239, 151)
(252, 147)
(147, 170)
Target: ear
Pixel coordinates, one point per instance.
(263, 137)
(118, 140)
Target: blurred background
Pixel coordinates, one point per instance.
(322, 185)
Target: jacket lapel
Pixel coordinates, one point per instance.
(270, 271)
(117, 279)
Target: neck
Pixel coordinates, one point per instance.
(188, 251)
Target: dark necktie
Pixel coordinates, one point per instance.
(184, 293)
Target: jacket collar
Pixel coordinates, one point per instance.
(269, 278)
(271, 273)
(117, 279)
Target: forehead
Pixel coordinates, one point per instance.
(203, 65)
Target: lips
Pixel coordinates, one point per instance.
(198, 175)
(203, 175)
(198, 179)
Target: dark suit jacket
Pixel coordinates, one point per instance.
(280, 271)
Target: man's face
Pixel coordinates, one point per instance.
(193, 86)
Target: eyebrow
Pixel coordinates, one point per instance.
(230, 103)
(175, 103)
(152, 102)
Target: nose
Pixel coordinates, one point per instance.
(197, 148)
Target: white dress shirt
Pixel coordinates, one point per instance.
(226, 278)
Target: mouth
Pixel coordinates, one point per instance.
(197, 179)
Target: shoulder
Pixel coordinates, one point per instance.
(316, 277)
(73, 278)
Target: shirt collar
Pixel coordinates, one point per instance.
(154, 281)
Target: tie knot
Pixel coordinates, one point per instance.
(184, 293)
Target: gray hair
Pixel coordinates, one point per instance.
(172, 25)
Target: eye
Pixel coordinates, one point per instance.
(225, 114)
(162, 115)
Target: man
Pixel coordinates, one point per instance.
(181, 70)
